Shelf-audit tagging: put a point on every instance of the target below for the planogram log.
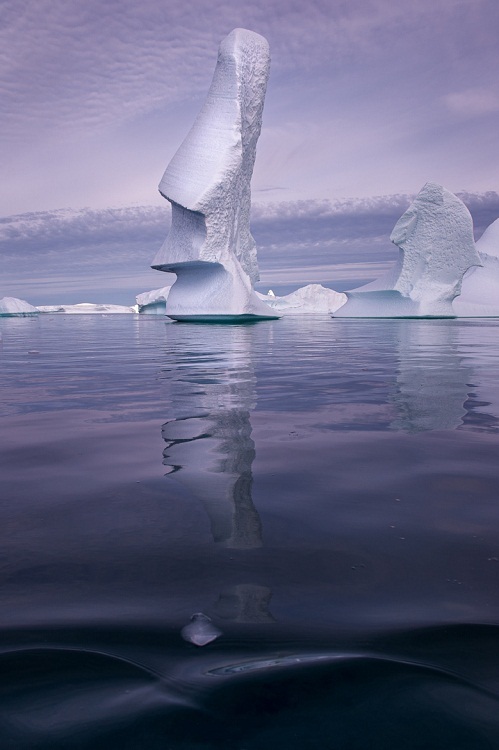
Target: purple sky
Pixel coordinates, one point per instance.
(367, 100)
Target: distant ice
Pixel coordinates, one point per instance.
(87, 308)
(13, 307)
(310, 299)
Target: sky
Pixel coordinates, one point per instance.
(367, 100)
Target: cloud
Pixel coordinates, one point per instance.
(60, 256)
(343, 243)
(104, 255)
(473, 102)
(95, 97)
(83, 66)
(71, 231)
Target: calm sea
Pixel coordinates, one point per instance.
(325, 491)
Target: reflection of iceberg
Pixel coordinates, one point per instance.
(435, 239)
(432, 378)
(246, 602)
(209, 445)
(215, 454)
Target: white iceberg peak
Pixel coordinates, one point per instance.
(210, 247)
(435, 239)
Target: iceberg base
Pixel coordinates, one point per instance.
(389, 303)
(243, 318)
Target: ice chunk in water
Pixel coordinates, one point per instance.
(200, 631)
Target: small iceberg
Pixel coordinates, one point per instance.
(153, 302)
(200, 631)
(310, 299)
(11, 307)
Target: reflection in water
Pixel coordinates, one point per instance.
(210, 451)
(245, 603)
(214, 454)
(209, 444)
(432, 378)
(381, 546)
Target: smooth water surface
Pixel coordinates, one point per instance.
(326, 491)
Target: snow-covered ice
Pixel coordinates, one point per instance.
(87, 308)
(488, 244)
(435, 238)
(14, 307)
(210, 247)
(310, 299)
(153, 302)
(480, 289)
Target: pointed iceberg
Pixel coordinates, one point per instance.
(435, 240)
(210, 247)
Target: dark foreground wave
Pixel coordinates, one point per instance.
(430, 688)
(322, 490)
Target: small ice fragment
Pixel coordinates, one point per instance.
(200, 631)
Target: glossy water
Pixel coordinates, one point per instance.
(326, 491)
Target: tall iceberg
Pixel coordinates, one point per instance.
(435, 239)
(480, 290)
(210, 247)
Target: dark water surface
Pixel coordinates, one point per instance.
(326, 491)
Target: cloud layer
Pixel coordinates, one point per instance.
(364, 98)
(104, 255)
(92, 64)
